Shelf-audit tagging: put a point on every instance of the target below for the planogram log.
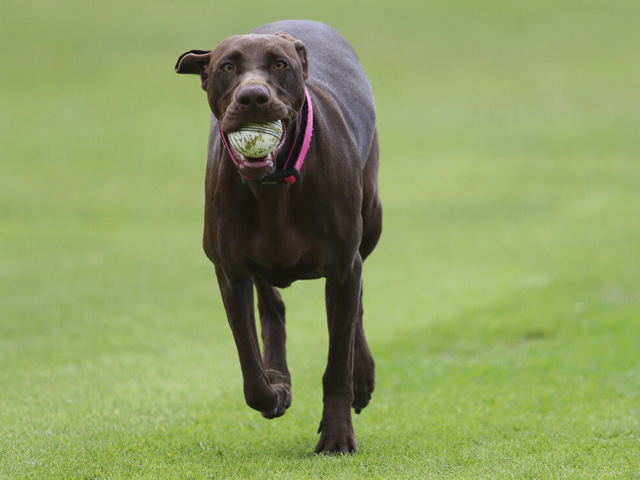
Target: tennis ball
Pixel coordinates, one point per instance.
(257, 139)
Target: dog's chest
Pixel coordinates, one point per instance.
(280, 253)
(282, 257)
(280, 236)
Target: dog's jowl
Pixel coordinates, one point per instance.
(307, 209)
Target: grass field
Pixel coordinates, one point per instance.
(502, 304)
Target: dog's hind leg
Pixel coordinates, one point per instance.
(272, 320)
(260, 391)
(364, 380)
(363, 365)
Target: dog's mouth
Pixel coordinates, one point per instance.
(258, 168)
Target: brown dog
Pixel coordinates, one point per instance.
(275, 220)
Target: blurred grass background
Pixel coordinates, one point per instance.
(502, 303)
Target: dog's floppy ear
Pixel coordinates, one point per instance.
(302, 51)
(195, 62)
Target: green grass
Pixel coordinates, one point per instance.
(502, 304)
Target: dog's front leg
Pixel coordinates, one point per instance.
(272, 312)
(342, 298)
(260, 394)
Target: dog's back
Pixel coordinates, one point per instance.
(334, 64)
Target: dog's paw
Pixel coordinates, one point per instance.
(282, 385)
(341, 442)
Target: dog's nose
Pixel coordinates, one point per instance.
(253, 96)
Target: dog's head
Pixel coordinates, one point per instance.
(251, 78)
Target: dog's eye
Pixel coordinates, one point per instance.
(279, 65)
(227, 67)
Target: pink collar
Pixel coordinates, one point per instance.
(291, 172)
